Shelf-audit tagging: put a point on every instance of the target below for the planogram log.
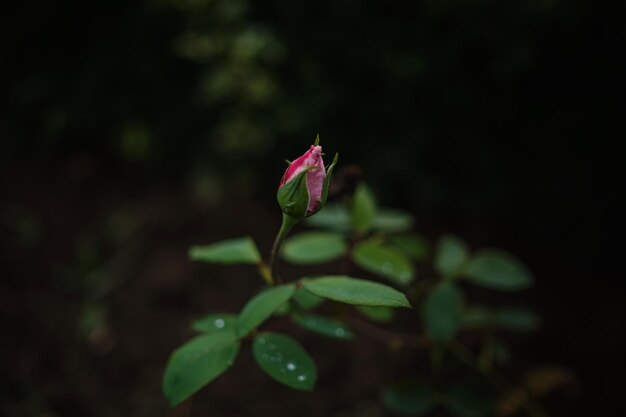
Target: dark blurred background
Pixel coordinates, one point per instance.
(131, 130)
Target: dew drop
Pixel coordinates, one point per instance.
(301, 378)
(387, 267)
(219, 323)
(291, 366)
(339, 332)
(261, 340)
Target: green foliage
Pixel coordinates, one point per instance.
(363, 209)
(392, 220)
(232, 251)
(324, 326)
(379, 314)
(333, 217)
(214, 323)
(367, 236)
(198, 362)
(516, 319)
(282, 358)
(376, 257)
(314, 247)
(261, 307)
(306, 300)
(355, 291)
(441, 312)
(413, 244)
(498, 270)
(451, 255)
(410, 398)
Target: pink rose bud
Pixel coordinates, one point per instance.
(304, 186)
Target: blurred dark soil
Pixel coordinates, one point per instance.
(98, 291)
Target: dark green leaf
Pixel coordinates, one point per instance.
(261, 307)
(441, 311)
(198, 362)
(392, 221)
(332, 216)
(379, 314)
(314, 247)
(451, 255)
(363, 209)
(516, 319)
(285, 360)
(412, 398)
(470, 399)
(355, 291)
(476, 317)
(324, 326)
(413, 244)
(233, 251)
(306, 300)
(382, 260)
(498, 270)
(215, 323)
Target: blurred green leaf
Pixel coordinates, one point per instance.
(198, 362)
(215, 323)
(441, 312)
(363, 209)
(355, 291)
(470, 399)
(498, 270)
(324, 326)
(411, 398)
(386, 261)
(392, 220)
(332, 216)
(517, 319)
(285, 360)
(306, 299)
(413, 244)
(476, 317)
(314, 247)
(261, 307)
(379, 314)
(233, 251)
(451, 255)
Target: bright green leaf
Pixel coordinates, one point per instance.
(392, 221)
(198, 362)
(516, 319)
(441, 312)
(233, 251)
(324, 326)
(413, 244)
(498, 270)
(314, 247)
(261, 307)
(411, 398)
(306, 299)
(382, 260)
(355, 291)
(451, 255)
(285, 360)
(215, 323)
(363, 209)
(331, 216)
(379, 314)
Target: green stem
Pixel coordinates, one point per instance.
(288, 224)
